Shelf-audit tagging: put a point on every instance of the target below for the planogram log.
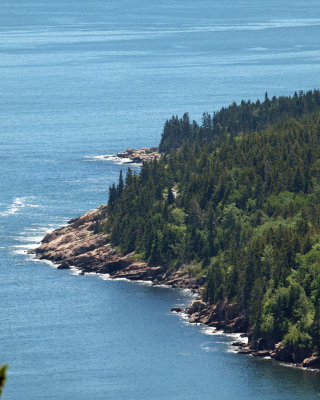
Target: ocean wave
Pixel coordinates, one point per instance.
(29, 239)
(32, 239)
(17, 204)
(28, 246)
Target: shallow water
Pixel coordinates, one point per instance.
(81, 79)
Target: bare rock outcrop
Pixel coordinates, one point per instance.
(141, 155)
(78, 245)
(312, 362)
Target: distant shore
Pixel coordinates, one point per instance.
(77, 245)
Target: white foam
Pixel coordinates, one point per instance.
(163, 286)
(207, 330)
(29, 246)
(111, 157)
(295, 366)
(231, 349)
(183, 315)
(238, 336)
(190, 292)
(20, 252)
(50, 263)
(122, 279)
(17, 204)
(32, 239)
(75, 271)
(105, 277)
(209, 348)
(144, 283)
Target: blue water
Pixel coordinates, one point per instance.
(80, 79)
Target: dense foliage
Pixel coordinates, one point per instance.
(246, 117)
(243, 211)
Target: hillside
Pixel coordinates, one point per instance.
(241, 213)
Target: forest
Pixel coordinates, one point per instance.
(235, 201)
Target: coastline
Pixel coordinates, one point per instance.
(78, 246)
(130, 156)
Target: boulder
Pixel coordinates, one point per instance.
(261, 353)
(176, 309)
(238, 324)
(245, 350)
(312, 361)
(63, 265)
(289, 354)
(238, 343)
(196, 306)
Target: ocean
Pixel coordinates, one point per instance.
(81, 79)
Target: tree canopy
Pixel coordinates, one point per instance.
(235, 200)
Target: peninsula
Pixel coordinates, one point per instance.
(229, 210)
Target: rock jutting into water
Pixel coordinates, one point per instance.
(77, 245)
(141, 155)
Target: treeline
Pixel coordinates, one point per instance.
(244, 212)
(244, 117)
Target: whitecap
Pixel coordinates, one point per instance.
(17, 204)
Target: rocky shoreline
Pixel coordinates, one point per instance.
(78, 245)
(141, 155)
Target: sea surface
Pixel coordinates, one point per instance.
(79, 79)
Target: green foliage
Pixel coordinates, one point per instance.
(297, 338)
(242, 210)
(237, 118)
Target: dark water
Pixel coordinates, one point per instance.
(80, 79)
